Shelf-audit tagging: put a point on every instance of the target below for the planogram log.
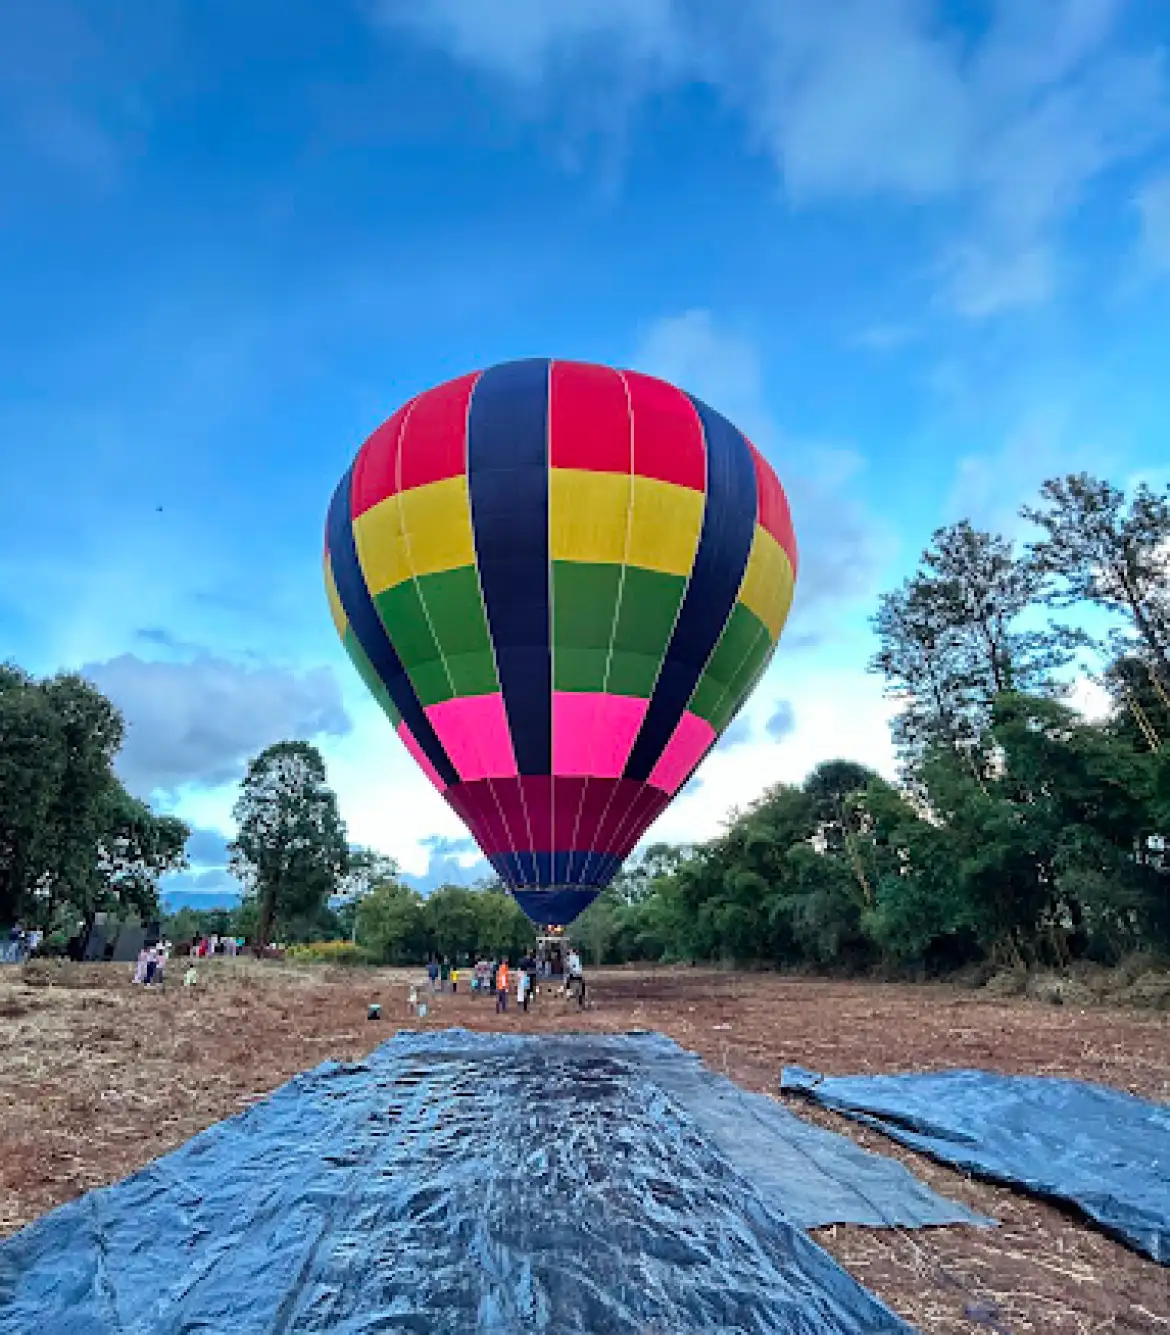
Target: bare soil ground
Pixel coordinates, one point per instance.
(97, 1078)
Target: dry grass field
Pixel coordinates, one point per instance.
(97, 1078)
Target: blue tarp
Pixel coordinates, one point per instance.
(814, 1176)
(1106, 1152)
(451, 1183)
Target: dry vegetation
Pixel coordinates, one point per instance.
(97, 1078)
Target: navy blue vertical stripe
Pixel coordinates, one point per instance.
(507, 474)
(367, 626)
(725, 541)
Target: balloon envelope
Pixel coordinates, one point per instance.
(561, 582)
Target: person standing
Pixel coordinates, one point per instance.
(502, 987)
(523, 984)
(575, 977)
(433, 973)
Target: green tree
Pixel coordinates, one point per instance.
(1101, 548)
(1141, 708)
(136, 847)
(391, 924)
(72, 840)
(919, 656)
(290, 851)
(366, 869)
(32, 767)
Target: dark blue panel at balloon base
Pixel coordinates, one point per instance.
(725, 540)
(475, 1184)
(554, 907)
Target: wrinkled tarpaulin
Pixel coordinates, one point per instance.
(452, 1183)
(1099, 1149)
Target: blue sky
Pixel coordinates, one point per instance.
(920, 251)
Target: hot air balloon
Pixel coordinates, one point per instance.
(561, 582)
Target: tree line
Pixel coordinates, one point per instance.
(73, 841)
(1020, 831)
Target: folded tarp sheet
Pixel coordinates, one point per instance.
(1106, 1152)
(452, 1183)
(814, 1176)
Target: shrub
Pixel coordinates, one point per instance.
(329, 952)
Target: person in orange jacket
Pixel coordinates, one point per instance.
(502, 986)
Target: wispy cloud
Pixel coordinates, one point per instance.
(450, 862)
(842, 544)
(1008, 126)
(73, 81)
(885, 337)
(199, 722)
(781, 721)
(989, 488)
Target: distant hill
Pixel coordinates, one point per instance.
(217, 895)
(174, 900)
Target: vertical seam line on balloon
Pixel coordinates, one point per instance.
(616, 616)
(756, 676)
(752, 683)
(763, 631)
(483, 606)
(418, 593)
(731, 611)
(682, 596)
(345, 523)
(552, 647)
(762, 634)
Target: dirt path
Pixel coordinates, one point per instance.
(98, 1078)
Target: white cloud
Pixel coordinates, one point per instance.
(386, 801)
(452, 862)
(199, 722)
(885, 337)
(1047, 441)
(529, 38)
(842, 546)
(720, 366)
(861, 98)
(833, 714)
(1091, 699)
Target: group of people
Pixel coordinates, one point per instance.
(217, 945)
(496, 977)
(150, 971)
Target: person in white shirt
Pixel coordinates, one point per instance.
(575, 977)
